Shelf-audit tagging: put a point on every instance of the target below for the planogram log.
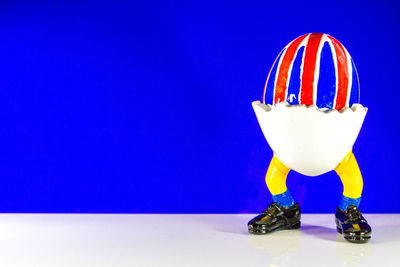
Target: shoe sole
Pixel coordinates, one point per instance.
(262, 231)
(359, 239)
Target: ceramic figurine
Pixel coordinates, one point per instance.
(311, 117)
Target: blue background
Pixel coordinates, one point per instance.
(146, 107)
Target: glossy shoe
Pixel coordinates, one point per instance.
(352, 225)
(275, 217)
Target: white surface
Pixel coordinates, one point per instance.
(307, 139)
(188, 240)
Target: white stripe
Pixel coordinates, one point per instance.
(350, 71)
(317, 65)
(358, 81)
(336, 71)
(305, 42)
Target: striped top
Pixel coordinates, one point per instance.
(314, 69)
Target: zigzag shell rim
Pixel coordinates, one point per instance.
(267, 107)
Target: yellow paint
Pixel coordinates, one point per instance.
(276, 177)
(348, 171)
(265, 218)
(356, 226)
(350, 175)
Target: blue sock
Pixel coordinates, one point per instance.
(345, 202)
(285, 199)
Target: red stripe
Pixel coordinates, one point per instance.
(310, 60)
(269, 73)
(280, 88)
(343, 73)
(266, 82)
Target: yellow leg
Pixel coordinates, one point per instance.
(276, 177)
(350, 174)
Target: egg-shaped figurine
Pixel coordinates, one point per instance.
(311, 116)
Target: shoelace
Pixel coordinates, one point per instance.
(271, 209)
(354, 214)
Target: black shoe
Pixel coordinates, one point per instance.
(352, 225)
(275, 217)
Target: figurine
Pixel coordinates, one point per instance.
(311, 118)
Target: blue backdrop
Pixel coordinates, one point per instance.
(146, 107)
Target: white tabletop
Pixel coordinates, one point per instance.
(188, 240)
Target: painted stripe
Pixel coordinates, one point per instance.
(302, 65)
(326, 84)
(281, 84)
(279, 62)
(336, 72)
(350, 84)
(317, 66)
(270, 82)
(307, 79)
(343, 74)
(355, 87)
(294, 83)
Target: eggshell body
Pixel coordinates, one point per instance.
(309, 140)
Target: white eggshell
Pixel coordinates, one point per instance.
(309, 140)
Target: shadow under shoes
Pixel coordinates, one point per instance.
(352, 225)
(275, 217)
